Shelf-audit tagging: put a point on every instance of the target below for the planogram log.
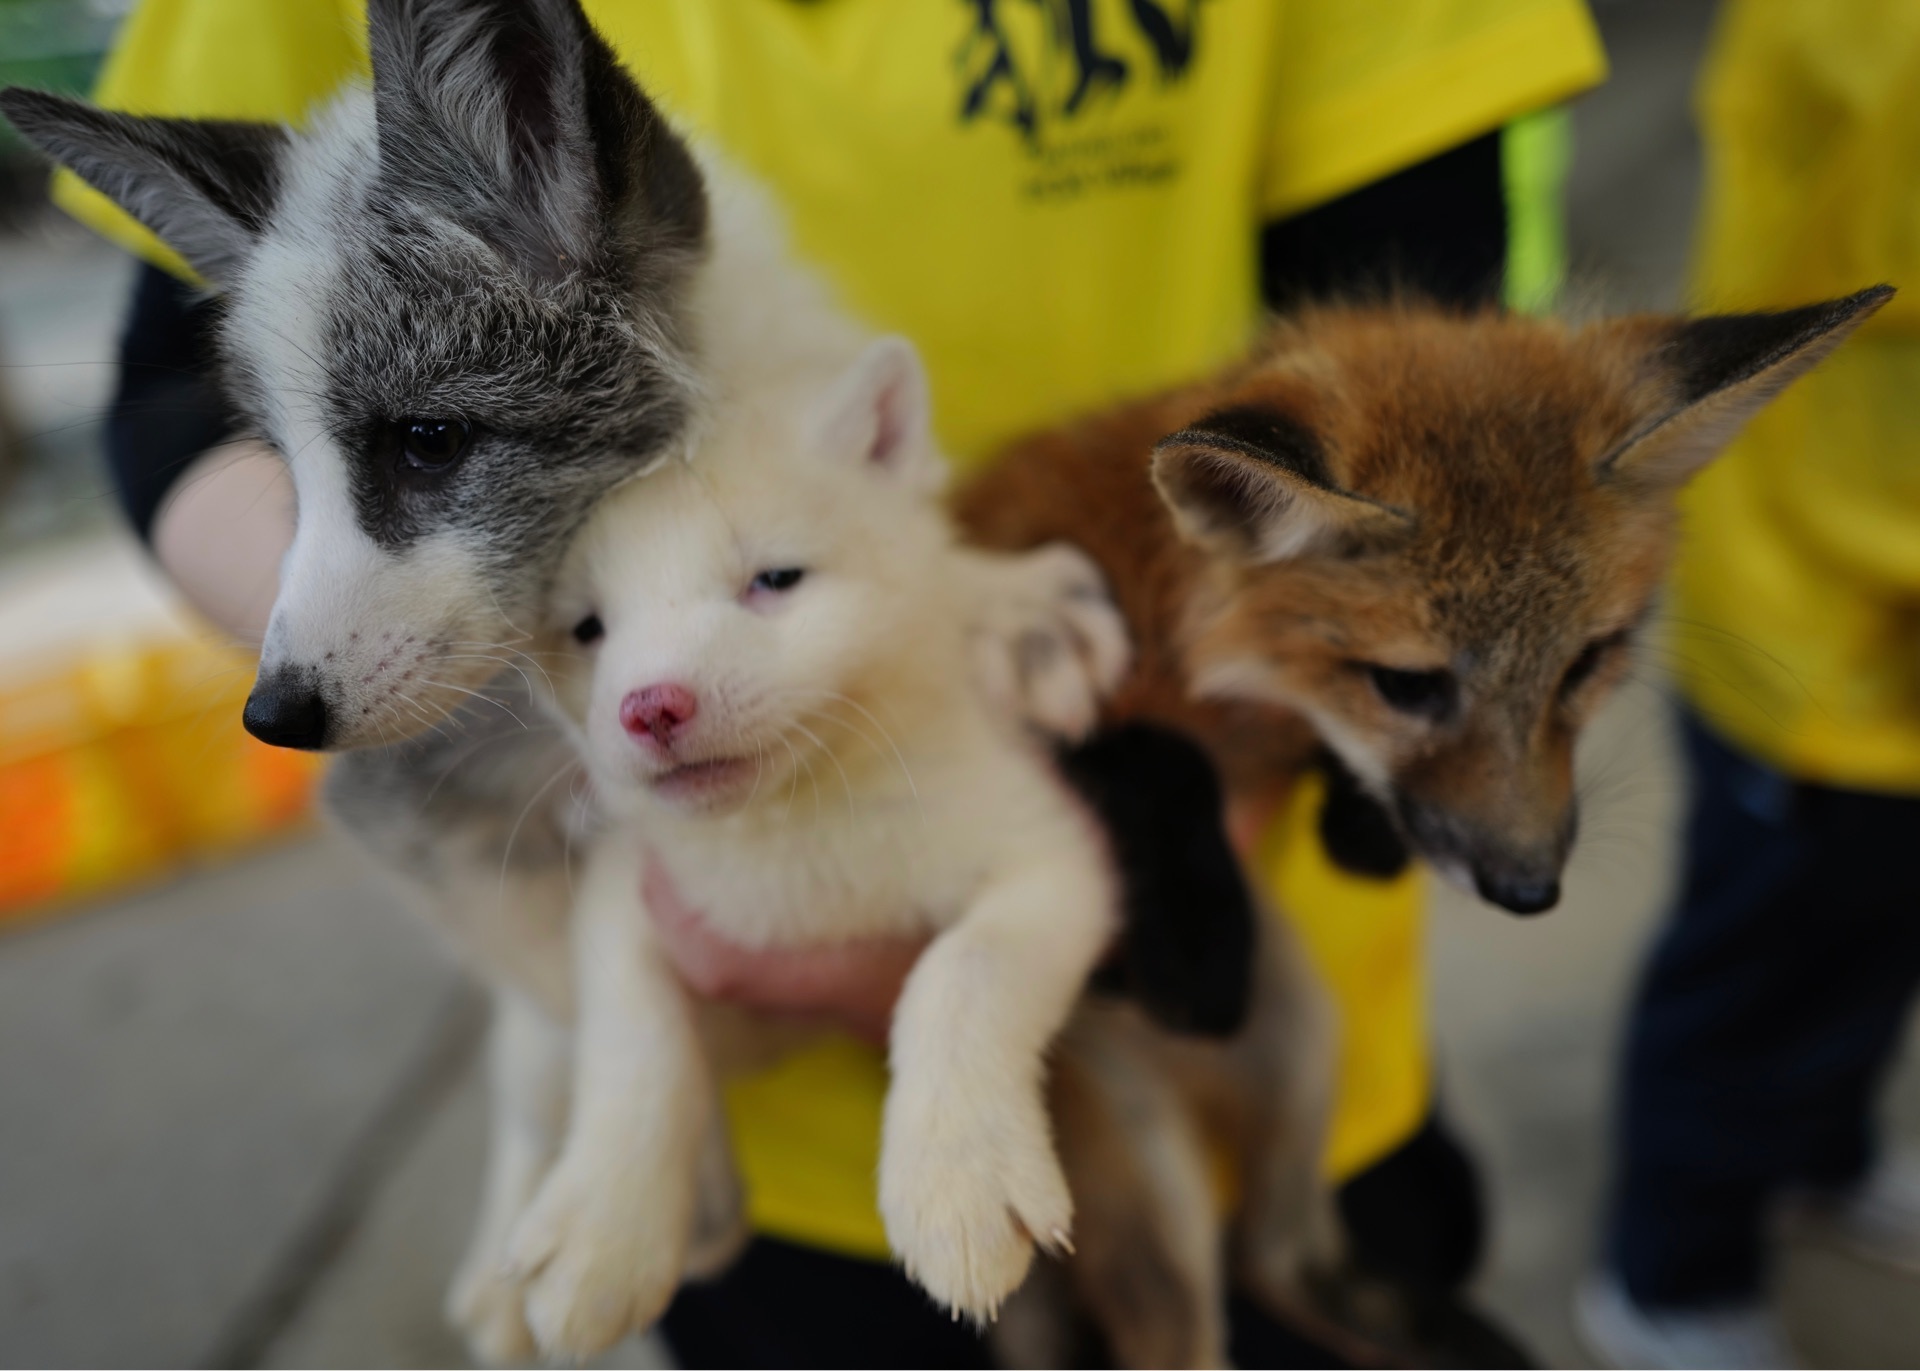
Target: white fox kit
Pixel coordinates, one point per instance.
(774, 700)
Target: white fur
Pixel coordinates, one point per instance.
(879, 794)
(919, 805)
(528, 1054)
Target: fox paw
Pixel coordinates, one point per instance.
(720, 1229)
(964, 1208)
(595, 1261)
(1050, 644)
(484, 1304)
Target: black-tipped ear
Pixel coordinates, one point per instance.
(205, 187)
(1253, 483)
(1723, 369)
(515, 116)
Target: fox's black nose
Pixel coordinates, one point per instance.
(286, 710)
(1517, 895)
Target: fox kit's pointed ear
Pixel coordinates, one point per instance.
(206, 188)
(879, 412)
(1253, 483)
(553, 145)
(1722, 369)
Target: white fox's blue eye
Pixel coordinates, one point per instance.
(778, 579)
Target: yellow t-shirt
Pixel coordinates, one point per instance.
(1060, 213)
(1798, 591)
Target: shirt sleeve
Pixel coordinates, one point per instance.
(270, 60)
(1438, 228)
(1363, 88)
(167, 408)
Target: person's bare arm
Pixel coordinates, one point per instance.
(221, 532)
(216, 511)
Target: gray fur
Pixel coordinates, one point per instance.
(515, 261)
(502, 238)
(555, 154)
(205, 187)
(570, 386)
(498, 785)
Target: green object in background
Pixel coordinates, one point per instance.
(56, 44)
(1536, 152)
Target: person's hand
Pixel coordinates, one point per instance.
(222, 532)
(851, 985)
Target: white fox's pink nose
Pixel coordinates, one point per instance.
(658, 712)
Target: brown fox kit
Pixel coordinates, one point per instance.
(1422, 541)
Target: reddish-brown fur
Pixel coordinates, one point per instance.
(1493, 498)
(1488, 497)
(1089, 483)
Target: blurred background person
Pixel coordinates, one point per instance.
(1775, 998)
(1062, 203)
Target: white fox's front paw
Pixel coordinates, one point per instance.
(484, 1303)
(966, 1200)
(598, 1255)
(1050, 644)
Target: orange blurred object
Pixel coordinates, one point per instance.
(126, 762)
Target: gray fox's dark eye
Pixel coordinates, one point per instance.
(431, 445)
(780, 578)
(1428, 694)
(589, 630)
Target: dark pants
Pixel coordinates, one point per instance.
(1770, 1010)
(1415, 1215)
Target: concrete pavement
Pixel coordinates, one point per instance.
(195, 1081)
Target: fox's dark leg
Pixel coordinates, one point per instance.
(1149, 1262)
(1286, 1232)
(1187, 950)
